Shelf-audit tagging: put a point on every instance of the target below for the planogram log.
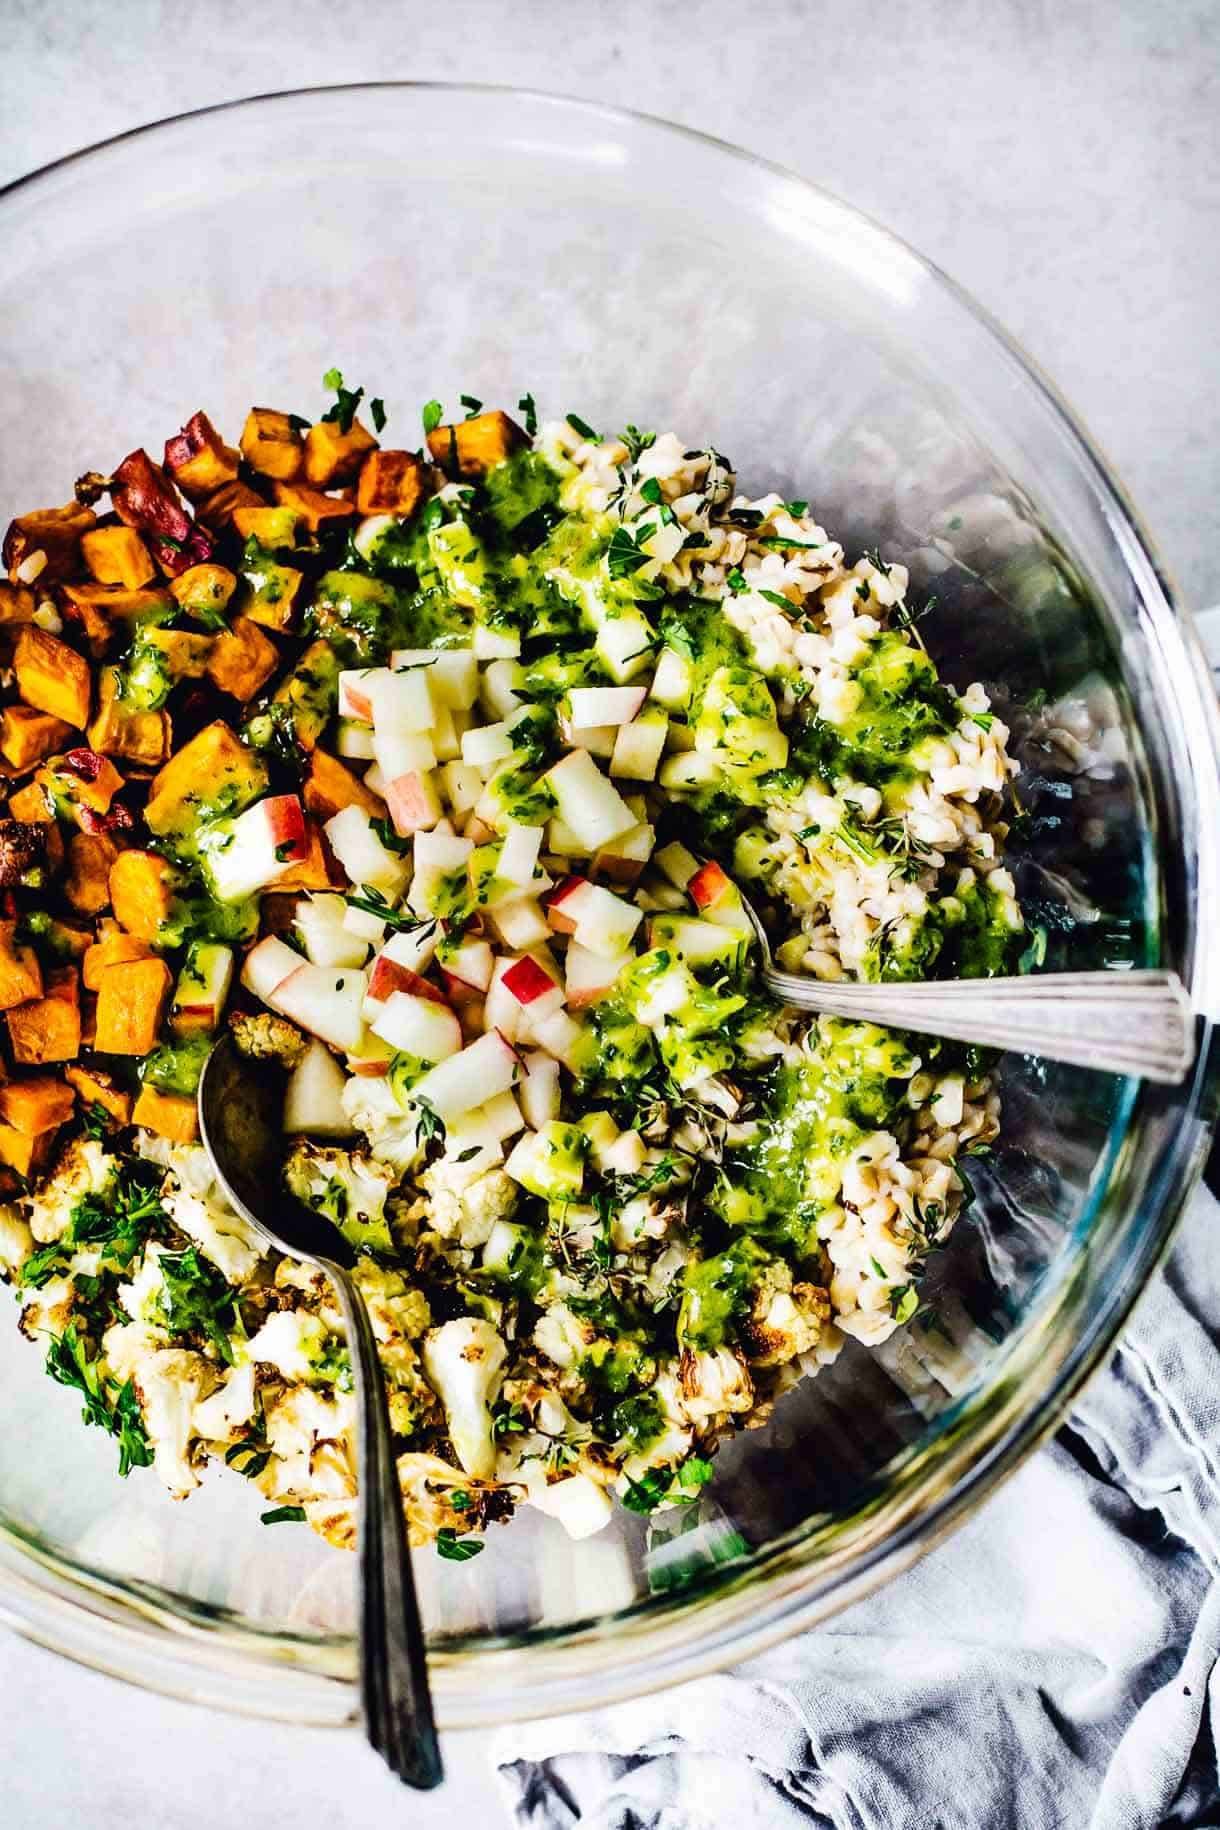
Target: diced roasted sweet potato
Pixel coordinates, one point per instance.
(117, 556)
(131, 999)
(55, 533)
(199, 460)
(80, 778)
(27, 1155)
(272, 444)
(315, 509)
(331, 786)
(17, 603)
(26, 736)
(309, 694)
(31, 803)
(186, 652)
(29, 851)
(218, 510)
(48, 1028)
(472, 447)
(95, 609)
(91, 856)
(215, 770)
(139, 737)
(333, 456)
(242, 659)
(20, 973)
(97, 1089)
(113, 949)
(40, 1103)
(52, 677)
(318, 871)
(270, 526)
(141, 892)
(391, 483)
(204, 591)
(168, 1114)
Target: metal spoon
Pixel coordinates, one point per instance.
(240, 1121)
(1118, 1022)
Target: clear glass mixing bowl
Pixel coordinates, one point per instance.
(437, 240)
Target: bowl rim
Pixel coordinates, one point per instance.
(100, 1621)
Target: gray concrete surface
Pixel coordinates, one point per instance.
(1061, 158)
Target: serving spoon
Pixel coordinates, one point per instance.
(240, 1121)
(1118, 1022)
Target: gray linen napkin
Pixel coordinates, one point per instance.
(1053, 1664)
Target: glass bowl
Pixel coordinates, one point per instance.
(432, 240)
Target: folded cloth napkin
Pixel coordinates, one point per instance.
(1052, 1664)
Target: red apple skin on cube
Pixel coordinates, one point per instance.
(355, 700)
(709, 885)
(563, 904)
(412, 803)
(527, 981)
(388, 977)
(467, 970)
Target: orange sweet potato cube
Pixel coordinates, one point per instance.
(204, 590)
(185, 651)
(131, 1000)
(169, 1114)
(30, 803)
(17, 603)
(141, 892)
(52, 677)
(48, 1028)
(391, 483)
(198, 460)
(26, 736)
(214, 766)
(333, 456)
(217, 510)
(138, 737)
(40, 1103)
(315, 509)
(20, 973)
(27, 1155)
(242, 660)
(91, 856)
(472, 447)
(272, 445)
(53, 533)
(111, 949)
(117, 556)
(97, 1089)
(331, 786)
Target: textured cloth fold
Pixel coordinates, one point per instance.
(1054, 1664)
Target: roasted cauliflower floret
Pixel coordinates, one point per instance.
(346, 1186)
(16, 1241)
(169, 1384)
(714, 1385)
(785, 1319)
(265, 1037)
(85, 1168)
(465, 1207)
(464, 1361)
(310, 1436)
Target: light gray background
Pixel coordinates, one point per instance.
(1060, 158)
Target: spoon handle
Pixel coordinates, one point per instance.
(393, 1664)
(1138, 1023)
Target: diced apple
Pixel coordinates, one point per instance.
(262, 844)
(534, 989)
(388, 976)
(692, 769)
(624, 646)
(498, 693)
(325, 1001)
(470, 1078)
(413, 802)
(494, 644)
(356, 692)
(561, 1036)
(587, 801)
(445, 740)
(717, 898)
(486, 746)
(519, 854)
(699, 943)
(563, 842)
(321, 921)
(313, 1099)
(502, 1115)
(599, 920)
(597, 739)
(461, 785)
(401, 701)
(672, 681)
(468, 966)
(678, 864)
(454, 673)
(268, 965)
(600, 1131)
(626, 1156)
(421, 1026)
(354, 741)
(371, 1060)
(564, 904)
(519, 924)
(400, 753)
(639, 747)
(202, 989)
(625, 857)
(589, 976)
(605, 704)
(366, 927)
(539, 1090)
(361, 853)
(501, 1010)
